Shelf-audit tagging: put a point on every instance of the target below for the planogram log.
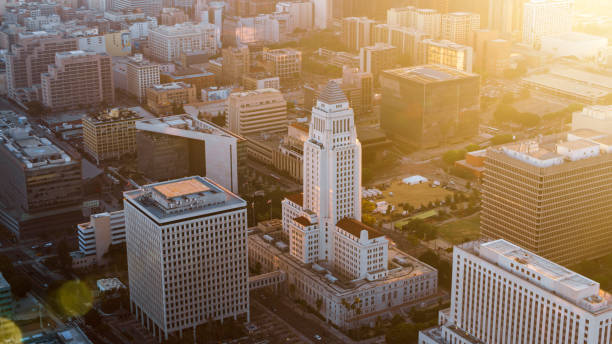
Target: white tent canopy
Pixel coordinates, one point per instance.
(413, 180)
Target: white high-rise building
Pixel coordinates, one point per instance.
(141, 74)
(322, 13)
(457, 27)
(546, 17)
(300, 14)
(502, 293)
(168, 42)
(187, 254)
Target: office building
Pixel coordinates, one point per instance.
(357, 32)
(359, 88)
(378, 57)
(256, 112)
(110, 134)
(259, 30)
(427, 105)
(458, 27)
(168, 98)
(167, 43)
(284, 63)
(502, 293)
(7, 306)
(322, 13)
(29, 58)
(96, 238)
(141, 74)
(172, 16)
(478, 42)
(496, 57)
(236, 63)
(178, 146)
(405, 39)
(505, 16)
(78, 79)
(300, 14)
(427, 21)
(151, 8)
(289, 156)
(546, 17)
(446, 53)
(559, 195)
(190, 224)
(246, 8)
(596, 117)
(40, 181)
(332, 257)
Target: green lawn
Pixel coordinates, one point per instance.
(423, 216)
(459, 231)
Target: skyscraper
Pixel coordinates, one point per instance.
(193, 234)
(457, 27)
(551, 198)
(502, 293)
(546, 17)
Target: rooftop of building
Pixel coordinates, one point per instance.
(563, 282)
(574, 36)
(381, 46)
(410, 267)
(112, 115)
(187, 72)
(566, 85)
(355, 227)
(256, 92)
(445, 43)
(171, 86)
(332, 94)
(282, 52)
(183, 198)
(184, 126)
(427, 74)
(297, 198)
(302, 220)
(32, 151)
(181, 29)
(75, 53)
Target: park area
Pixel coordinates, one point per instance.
(416, 195)
(460, 230)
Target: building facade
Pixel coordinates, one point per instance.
(405, 39)
(7, 306)
(236, 63)
(96, 237)
(141, 74)
(78, 79)
(427, 105)
(357, 32)
(165, 98)
(378, 57)
(558, 192)
(174, 147)
(457, 27)
(110, 134)
(167, 43)
(547, 17)
(596, 117)
(189, 224)
(446, 53)
(257, 112)
(284, 63)
(502, 293)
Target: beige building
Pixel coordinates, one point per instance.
(236, 63)
(256, 81)
(596, 117)
(289, 156)
(167, 43)
(551, 199)
(172, 16)
(446, 53)
(357, 32)
(141, 74)
(257, 112)
(77, 79)
(458, 26)
(162, 99)
(284, 63)
(110, 134)
(378, 57)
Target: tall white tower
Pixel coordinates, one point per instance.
(332, 165)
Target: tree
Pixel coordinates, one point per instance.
(20, 284)
(453, 155)
(501, 139)
(472, 147)
(36, 108)
(402, 333)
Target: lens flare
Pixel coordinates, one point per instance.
(75, 298)
(9, 332)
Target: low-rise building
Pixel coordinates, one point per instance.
(167, 43)
(577, 44)
(284, 63)
(165, 98)
(96, 238)
(596, 117)
(140, 75)
(256, 81)
(110, 134)
(201, 79)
